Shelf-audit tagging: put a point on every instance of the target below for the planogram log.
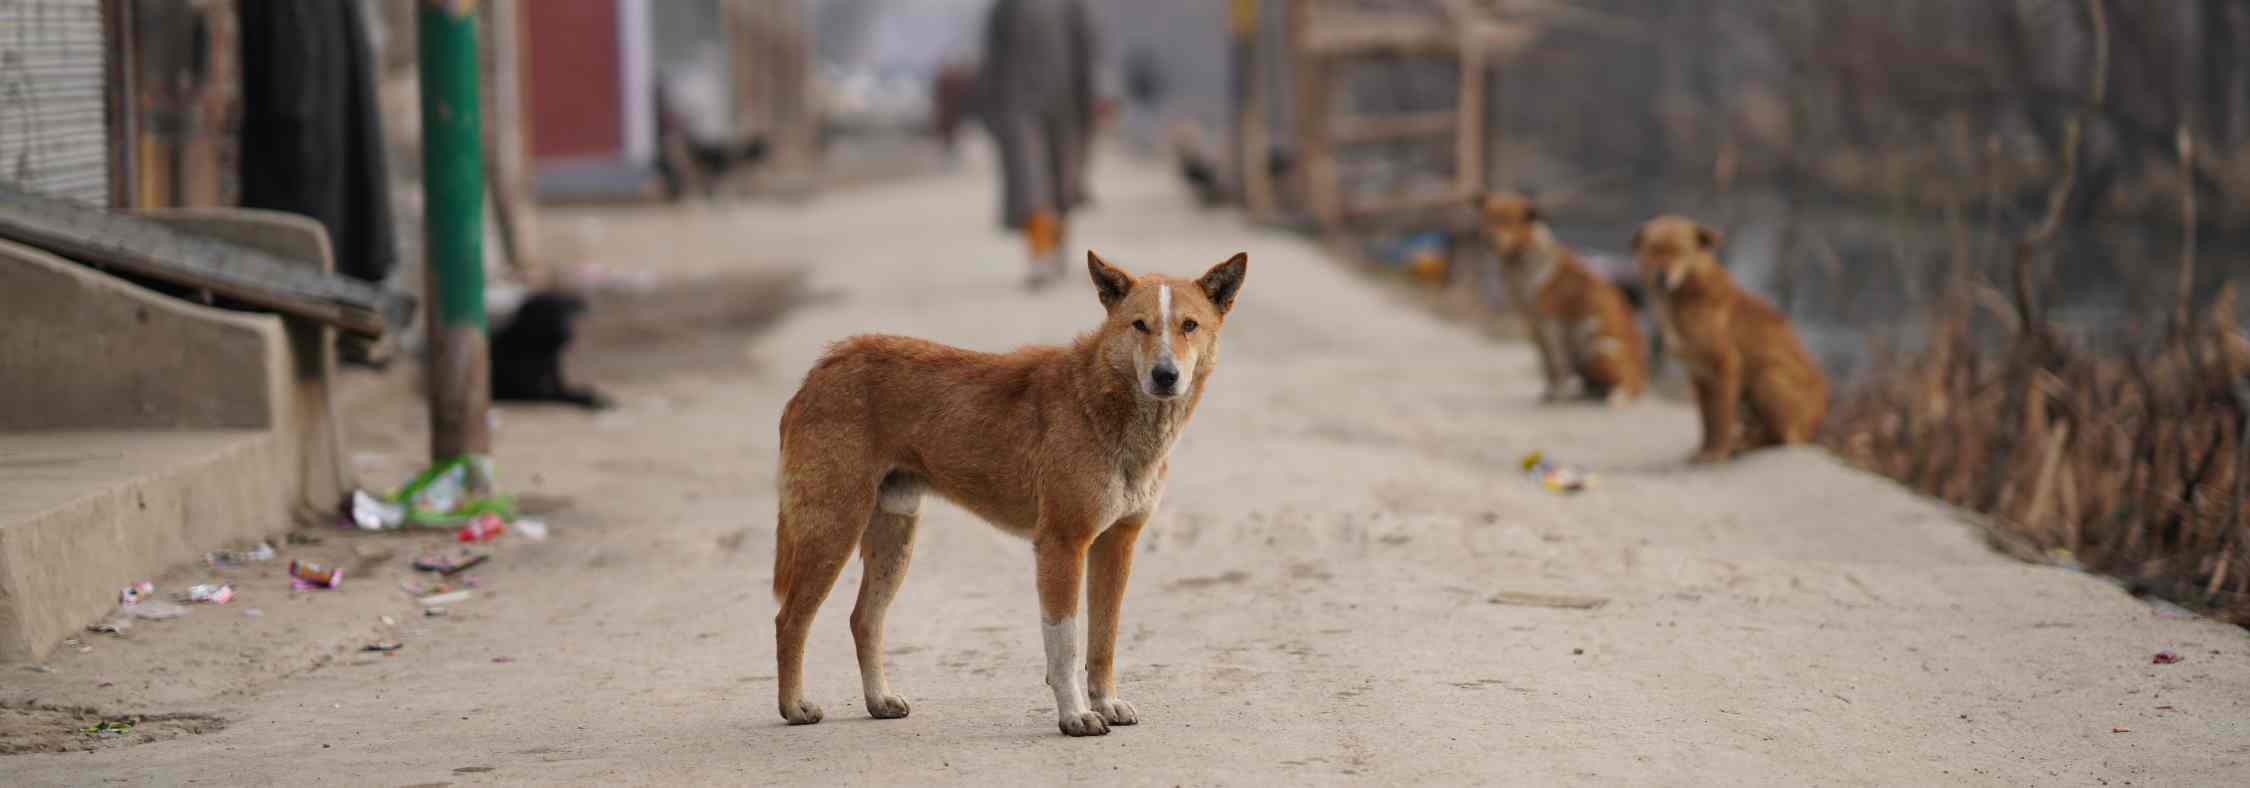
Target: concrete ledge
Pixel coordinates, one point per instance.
(80, 349)
(139, 431)
(82, 513)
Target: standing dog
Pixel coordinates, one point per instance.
(1740, 352)
(1062, 445)
(1580, 322)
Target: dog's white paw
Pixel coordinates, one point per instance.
(1083, 723)
(1116, 712)
(886, 707)
(803, 713)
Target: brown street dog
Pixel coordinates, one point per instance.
(1063, 445)
(1750, 371)
(1580, 322)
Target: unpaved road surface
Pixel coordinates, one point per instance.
(1315, 603)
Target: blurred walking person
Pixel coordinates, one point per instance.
(1037, 91)
(312, 134)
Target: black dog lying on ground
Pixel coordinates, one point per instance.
(527, 353)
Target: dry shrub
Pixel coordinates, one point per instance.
(2135, 463)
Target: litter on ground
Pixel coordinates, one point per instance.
(263, 552)
(209, 593)
(1556, 477)
(446, 598)
(305, 575)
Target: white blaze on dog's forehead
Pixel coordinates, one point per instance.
(1164, 310)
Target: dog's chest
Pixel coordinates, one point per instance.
(1133, 491)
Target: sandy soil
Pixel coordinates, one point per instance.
(1331, 595)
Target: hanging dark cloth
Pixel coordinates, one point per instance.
(312, 134)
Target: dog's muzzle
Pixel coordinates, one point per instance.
(1164, 381)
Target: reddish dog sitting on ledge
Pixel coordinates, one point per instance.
(1063, 445)
(1754, 383)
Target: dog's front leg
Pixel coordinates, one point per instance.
(1060, 553)
(1108, 564)
(1552, 340)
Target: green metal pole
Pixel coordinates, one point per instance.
(453, 232)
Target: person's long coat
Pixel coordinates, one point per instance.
(1037, 99)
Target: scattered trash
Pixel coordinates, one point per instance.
(375, 514)
(1554, 477)
(433, 612)
(136, 592)
(1422, 253)
(1577, 652)
(446, 598)
(306, 575)
(38, 668)
(2165, 658)
(300, 537)
(209, 593)
(482, 529)
(2121, 729)
(1561, 601)
(503, 660)
(253, 612)
(449, 563)
(263, 552)
(2063, 557)
(118, 727)
(533, 530)
(136, 601)
(388, 621)
(438, 496)
(387, 647)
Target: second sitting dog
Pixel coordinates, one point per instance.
(1065, 446)
(1580, 322)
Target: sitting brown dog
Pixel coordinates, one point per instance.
(1580, 322)
(1744, 359)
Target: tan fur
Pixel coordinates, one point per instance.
(1063, 445)
(1749, 369)
(1580, 322)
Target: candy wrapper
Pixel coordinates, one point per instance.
(1557, 477)
(304, 575)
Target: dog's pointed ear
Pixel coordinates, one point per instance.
(1110, 282)
(1224, 280)
(1707, 238)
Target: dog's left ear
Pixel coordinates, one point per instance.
(1224, 280)
(1707, 238)
(1111, 283)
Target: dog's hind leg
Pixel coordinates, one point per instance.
(883, 553)
(820, 527)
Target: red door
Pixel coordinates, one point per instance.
(576, 100)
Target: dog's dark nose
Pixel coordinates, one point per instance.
(1166, 378)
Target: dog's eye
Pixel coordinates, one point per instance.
(1187, 326)
(1141, 326)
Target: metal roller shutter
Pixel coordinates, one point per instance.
(52, 131)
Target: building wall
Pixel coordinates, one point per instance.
(53, 133)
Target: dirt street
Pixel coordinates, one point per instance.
(1334, 592)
